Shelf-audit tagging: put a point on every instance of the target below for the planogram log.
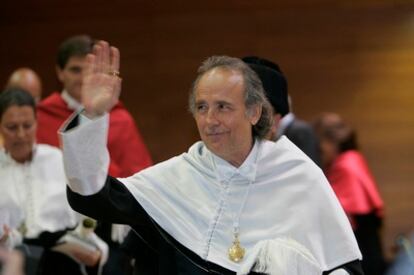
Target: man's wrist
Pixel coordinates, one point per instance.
(91, 115)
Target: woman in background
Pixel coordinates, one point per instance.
(33, 205)
(354, 185)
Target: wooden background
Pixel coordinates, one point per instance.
(353, 58)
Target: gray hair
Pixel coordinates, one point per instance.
(253, 90)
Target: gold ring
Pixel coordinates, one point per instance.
(114, 73)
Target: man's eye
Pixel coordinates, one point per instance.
(27, 126)
(223, 107)
(201, 108)
(12, 128)
(75, 70)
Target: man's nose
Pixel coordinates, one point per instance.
(211, 117)
(79, 77)
(21, 132)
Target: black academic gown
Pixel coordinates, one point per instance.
(115, 204)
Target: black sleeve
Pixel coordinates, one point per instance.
(46, 239)
(113, 203)
(353, 268)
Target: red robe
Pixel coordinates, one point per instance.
(354, 185)
(126, 148)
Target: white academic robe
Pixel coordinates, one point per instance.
(34, 193)
(277, 194)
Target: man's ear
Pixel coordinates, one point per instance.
(272, 134)
(59, 73)
(276, 120)
(255, 113)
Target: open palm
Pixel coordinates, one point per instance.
(101, 85)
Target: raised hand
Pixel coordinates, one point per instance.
(101, 84)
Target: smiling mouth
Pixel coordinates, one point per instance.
(216, 134)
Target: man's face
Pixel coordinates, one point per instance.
(71, 76)
(18, 128)
(221, 117)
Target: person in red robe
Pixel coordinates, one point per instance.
(123, 137)
(126, 147)
(350, 178)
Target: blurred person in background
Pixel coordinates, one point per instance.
(33, 206)
(28, 80)
(349, 175)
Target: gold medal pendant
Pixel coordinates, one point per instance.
(236, 251)
(23, 229)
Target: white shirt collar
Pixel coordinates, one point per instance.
(225, 171)
(71, 101)
(5, 157)
(284, 123)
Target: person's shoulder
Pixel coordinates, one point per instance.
(48, 164)
(301, 124)
(284, 154)
(119, 114)
(3, 156)
(352, 155)
(52, 107)
(164, 168)
(197, 158)
(52, 100)
(48, 152)
(120, 109)
(351, 159)
(284, 148)
(300, 128)
(51, 158)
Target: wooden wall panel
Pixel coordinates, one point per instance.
(349, 57)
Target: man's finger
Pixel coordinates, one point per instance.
(105, 56)
(115, 59)
(90, 65)
(97, 50)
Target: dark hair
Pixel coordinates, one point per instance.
(79, 45)
(332, 127)
(253, 90)
(15, 97)
(343, 136)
